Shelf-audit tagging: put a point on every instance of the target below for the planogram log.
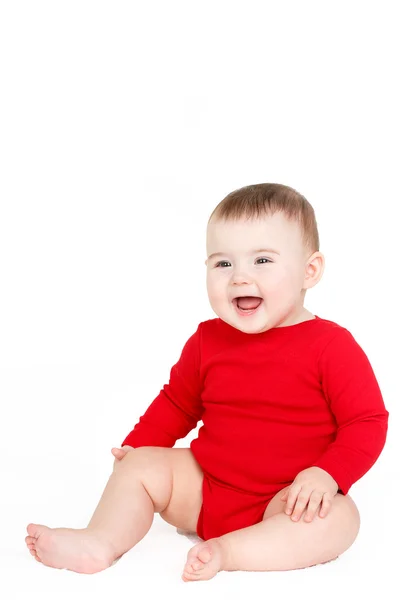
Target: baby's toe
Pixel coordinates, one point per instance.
(190, 576)
(204, 555)
(34, 554)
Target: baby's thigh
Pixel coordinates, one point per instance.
(173, 479)
(187, 490)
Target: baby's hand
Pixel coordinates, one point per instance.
(312, 486)
(119, 453)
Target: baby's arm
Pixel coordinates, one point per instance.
(178, 407)
(355, 399)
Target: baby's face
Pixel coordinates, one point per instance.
(243, 269)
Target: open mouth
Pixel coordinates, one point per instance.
(247, 305)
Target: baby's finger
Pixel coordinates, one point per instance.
(326, 505)
(301, 503)
(293, 493)
(118, 453)
(284, 495)
(313, 504)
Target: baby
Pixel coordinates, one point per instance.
(292, 416)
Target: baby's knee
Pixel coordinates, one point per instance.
(143, 459)
(352, 513)
(124, 458)
(344, 518)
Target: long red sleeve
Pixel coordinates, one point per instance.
(178, 408)
(355, 399)
(272, 404)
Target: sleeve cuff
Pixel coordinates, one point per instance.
(339, 475)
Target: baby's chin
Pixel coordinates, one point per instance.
(246, 327)
(251, 330)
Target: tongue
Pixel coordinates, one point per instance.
(248, 302)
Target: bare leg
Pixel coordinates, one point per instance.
(125, 511)
(277, 543)
(122, 518)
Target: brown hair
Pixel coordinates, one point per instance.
(265, 199)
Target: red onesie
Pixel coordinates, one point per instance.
(272, 404)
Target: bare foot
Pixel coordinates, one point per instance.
(204, 561)
(78, 550)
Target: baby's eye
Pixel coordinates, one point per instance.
(267, 259)
(220, 262)
(227, 262)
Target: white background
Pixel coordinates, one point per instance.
(122, 126)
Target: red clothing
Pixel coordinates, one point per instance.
(272, 404)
